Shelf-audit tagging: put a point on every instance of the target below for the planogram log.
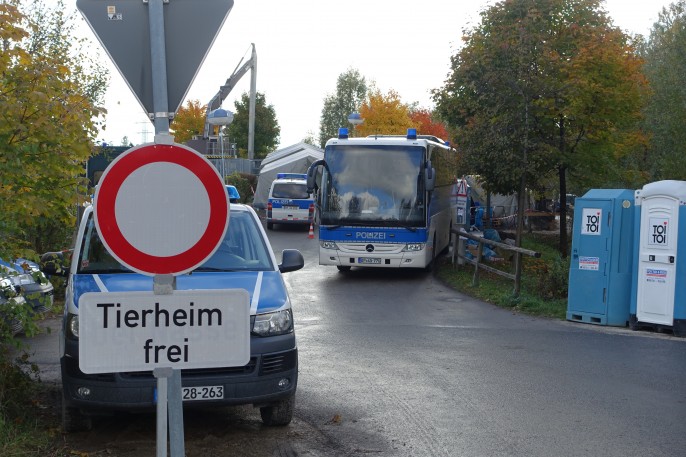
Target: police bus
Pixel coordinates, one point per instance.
(384, 201)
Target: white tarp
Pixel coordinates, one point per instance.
(292, 159)
(503, 205)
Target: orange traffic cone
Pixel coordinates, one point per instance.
(311, 234)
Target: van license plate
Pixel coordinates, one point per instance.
(368, 260)
(202, 393)
(290, 207)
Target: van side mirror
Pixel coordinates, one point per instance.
(291, 260)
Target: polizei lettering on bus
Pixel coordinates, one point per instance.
(140, 331)
(370, 235)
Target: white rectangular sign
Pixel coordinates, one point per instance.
(591, 221)
(140, 331)
(658, 231)
(589, 263)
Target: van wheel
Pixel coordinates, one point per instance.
(280, 413)
(270, 226)
(73, 420)
(343, 268)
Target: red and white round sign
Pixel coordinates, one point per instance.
(161, 209)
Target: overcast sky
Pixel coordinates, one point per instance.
(304, 45)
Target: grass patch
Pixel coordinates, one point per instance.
(28, 421)
(544, 283)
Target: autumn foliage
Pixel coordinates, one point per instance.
(189, 121)
(384, 114)
(423, 120)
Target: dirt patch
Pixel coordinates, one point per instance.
(236, 431)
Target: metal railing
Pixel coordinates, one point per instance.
(478, 261)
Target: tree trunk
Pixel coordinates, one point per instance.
(521, 203)
(562, 174)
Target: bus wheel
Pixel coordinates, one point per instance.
(343, 268)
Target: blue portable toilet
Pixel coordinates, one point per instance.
(600, 272)
(660, 259)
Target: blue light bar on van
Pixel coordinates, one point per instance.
(411, 134)
(291, 176)
(342, 133)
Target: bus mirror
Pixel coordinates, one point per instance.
(430, 177)
(312, 174)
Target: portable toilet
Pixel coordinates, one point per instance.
(660, 260)
(600, 271)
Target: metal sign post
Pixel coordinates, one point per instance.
(158, 61)
(462, 217)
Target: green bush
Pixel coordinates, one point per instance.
(245, 183)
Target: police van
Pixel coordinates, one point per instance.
(244, 260)
(289, 202)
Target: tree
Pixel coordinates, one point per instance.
(310, 139)
(665, 69)
(267, 128)
(189, 121)
(543, 88)
(384, 114)
(351, 90)
(426, 124)
(50, 94)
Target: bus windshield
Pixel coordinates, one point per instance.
(373, 185)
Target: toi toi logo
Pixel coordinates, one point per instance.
(593, 223)
(659, 234)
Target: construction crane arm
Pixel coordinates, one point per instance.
(228, 86)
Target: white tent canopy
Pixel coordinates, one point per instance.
(292, 159)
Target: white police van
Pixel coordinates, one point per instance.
(288, 201)
(244, 260)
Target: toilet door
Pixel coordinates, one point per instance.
(657, 259)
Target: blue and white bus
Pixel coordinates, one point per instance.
(384, 201)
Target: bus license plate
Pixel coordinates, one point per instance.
(368, 260)
(202, 393)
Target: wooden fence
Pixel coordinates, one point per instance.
(478, 261)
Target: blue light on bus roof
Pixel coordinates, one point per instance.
(411, 134)
(342, 133)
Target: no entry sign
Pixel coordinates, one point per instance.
(161, 209)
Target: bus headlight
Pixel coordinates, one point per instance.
(328, 245)
(413, 247)
(271, 324)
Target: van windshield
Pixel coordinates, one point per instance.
(242, 249)
(290, 190)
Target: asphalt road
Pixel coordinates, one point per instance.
(394, 363)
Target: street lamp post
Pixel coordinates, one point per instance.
(222, 118)
(355, 119)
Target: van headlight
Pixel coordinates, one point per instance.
(413, 247)
(328, 245)
(73, 326)
(271, 324)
